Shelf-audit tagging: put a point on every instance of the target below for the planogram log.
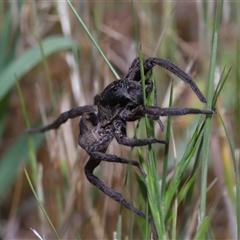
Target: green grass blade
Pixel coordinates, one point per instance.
(166, 152)
(119, 228)
(4, 38)
(185, 189)
(202, 230)
(151, 180)
(3, 113)
(237, 176)
(30, 58)
(219, 87)
(190, 193)
(92, 39)
(165, 163)
(152, 175)
(181, 167)
(237, 97)
(33, 161)
(203, 189)
(40, 204)
(9, 33)
(13, 157)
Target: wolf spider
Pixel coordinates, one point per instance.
(122, 101)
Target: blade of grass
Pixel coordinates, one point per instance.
(235, 165)
(183, 164)
(206, 136)
(190, 193)
(30, 58)
(3, 114)
(152, 176)
(166, 154)
(237, 97)
(40, 204)
(9, 33)
(165, 163)
(119, 228)
(32, 156)
(92, 39)
(201, 232)
(13, 157)
(151, 180)
(219, 87)
(4, 38)
(237, 129)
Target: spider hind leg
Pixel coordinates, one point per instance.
(89, 168)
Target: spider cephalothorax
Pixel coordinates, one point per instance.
(119, 102)
(119, 95)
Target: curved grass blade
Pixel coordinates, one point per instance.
(29, 59)
(92, 39)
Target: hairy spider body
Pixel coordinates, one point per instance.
(124, 98)
(120, 95)
(121, 101)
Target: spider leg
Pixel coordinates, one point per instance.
(168, 65)
(89, 168)
(63, 117)
(135, 74)
(120, 134)
(174, 111)
(115, 159)
(158, 111)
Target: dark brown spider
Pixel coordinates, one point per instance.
(121, 101)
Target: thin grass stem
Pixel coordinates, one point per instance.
(152, 176)
(237, 97)
(40, 204)
(237, 176)
(31, 152)
(206, 137)
(92, 39)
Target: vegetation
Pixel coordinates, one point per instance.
(57, 55)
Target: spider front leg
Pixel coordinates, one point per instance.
(135, 74)
(63, 117)
(120, 134)
(89, 168)
(173, 111)
(154, 111)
